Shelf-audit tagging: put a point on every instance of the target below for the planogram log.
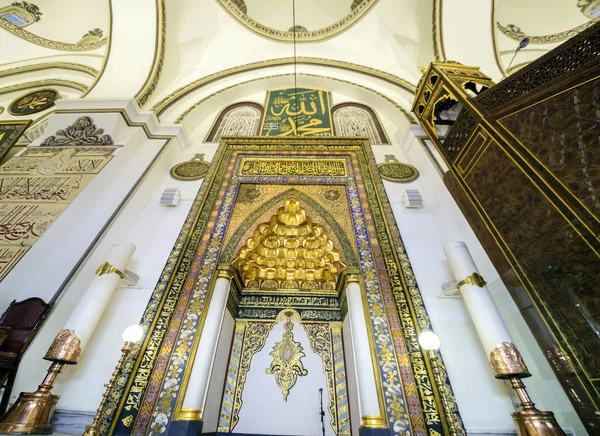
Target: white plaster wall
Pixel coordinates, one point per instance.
(264, 411)
(210, 416)
(468, 37)
(483, 401)
(133, 47)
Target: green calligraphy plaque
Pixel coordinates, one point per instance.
(297, 112)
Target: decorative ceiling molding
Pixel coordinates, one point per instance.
(330, 31)
(106, 56)
(48, 43)
(515, 32)
(44, 83)
(437, 35)
(159, 55)
(34, 10)
(94, 32)
(589, 8)
(409, 116)
(179, 93)
(49, 65)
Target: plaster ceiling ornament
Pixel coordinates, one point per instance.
(289, 252)
(21, 14)
(94, 32)
(193, 169)
(34, 102)
(396, 171)
(241, 5)
(34, 10)
(515, 32)
(49, 43)
(238, 9)
(298, 29)
(286, 365)
(82, 132)
(589, 8)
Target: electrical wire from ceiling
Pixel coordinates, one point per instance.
(295, 66)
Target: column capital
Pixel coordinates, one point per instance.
(225, 271)
(352, 275)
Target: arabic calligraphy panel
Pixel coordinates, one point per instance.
(59, 160)
(22, 224)
(36, 187)
(293, 167)
(53, 189)
(34, 102)
(9, 256)
(297, 112)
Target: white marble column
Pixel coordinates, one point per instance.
(90, 308)
(197, 387)
(484, 313)
(371, 416)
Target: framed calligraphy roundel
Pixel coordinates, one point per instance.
(190, 170)
(397, 172)
(34, 102)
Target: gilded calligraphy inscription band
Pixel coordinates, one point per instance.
(293, 167)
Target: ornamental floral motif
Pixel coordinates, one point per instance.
(94, 32)
(286, 365)
(31, 8)
(82, 132)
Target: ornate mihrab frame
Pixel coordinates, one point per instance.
(145, 400)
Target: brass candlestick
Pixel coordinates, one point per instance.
(131, 335)
(431, 343)
(33, 412)
(507, 363)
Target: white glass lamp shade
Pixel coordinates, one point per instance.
(133, 333)
(429, 340)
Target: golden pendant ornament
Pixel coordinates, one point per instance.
(286, 365)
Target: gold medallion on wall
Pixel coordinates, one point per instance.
(34, 102)
(396, 171)
(193, 169)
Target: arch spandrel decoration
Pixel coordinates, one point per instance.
(355, 119)
(239, 119)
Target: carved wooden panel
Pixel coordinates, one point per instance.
(563, 134)
(560, 266)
